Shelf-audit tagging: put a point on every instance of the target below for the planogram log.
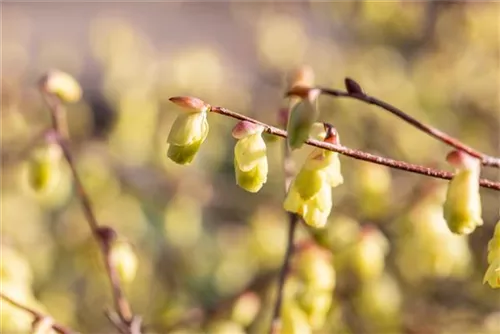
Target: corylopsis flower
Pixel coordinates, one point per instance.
(310, 193)
(250, 160)
(302, 115)
(189, 130)
(462, 207)
(492, 275)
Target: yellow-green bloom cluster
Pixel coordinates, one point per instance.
(492, 275)
(189, 130)
(462, 208)
(250, 160)
(310, 192)
(309, 291)
(367, 256)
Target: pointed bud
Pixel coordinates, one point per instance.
(353, 87)
(302, 115)
(191, 104)
(250, 159)
(462, 208)
(188, 132)
(61, 84)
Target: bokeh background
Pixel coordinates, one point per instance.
(199, 239)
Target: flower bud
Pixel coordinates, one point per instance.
(124, 260)
(302, 115)
(43, 169)
(187, 134)
(462, 207)
(250, 160)
(303, 76)
(61, 84)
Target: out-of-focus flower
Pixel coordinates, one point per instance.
(310, 192)
(492, 275)
(302, 115)
(462, 208)
(366, 258)
(250, 160)
(43, 168)
(124, 259)
(61, 84)
(294, 319)
(189, 130)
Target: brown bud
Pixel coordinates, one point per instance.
(353, 87)
(303, 76)
(106, 234)
(332, 135)
(190, 102)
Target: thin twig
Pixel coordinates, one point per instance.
(38, 315)
(293, 220)
(359, 95)
(360, 155)
(122, 305)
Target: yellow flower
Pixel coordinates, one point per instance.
(189, 130)
(310, 192)
(462, 207)
(124, 260)
(63, 85)
(492, 275)
(250, 160)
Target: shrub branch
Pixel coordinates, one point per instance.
(356, 154)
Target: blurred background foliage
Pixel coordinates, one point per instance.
(198, 238)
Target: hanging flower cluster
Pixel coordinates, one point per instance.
(309, 291)
(189, 130)
(462, 208)
(310, 193)
(250, 160)
(492, 275)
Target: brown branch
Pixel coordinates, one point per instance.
(360, 155)
(293, 220)
(354, 91)
(59, 126)
(38, 315)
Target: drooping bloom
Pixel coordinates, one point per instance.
(492, 275)
(302, 115)
(61, 84)
(250, 160)
(189, 130)
(462, 207)
(310, 192)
